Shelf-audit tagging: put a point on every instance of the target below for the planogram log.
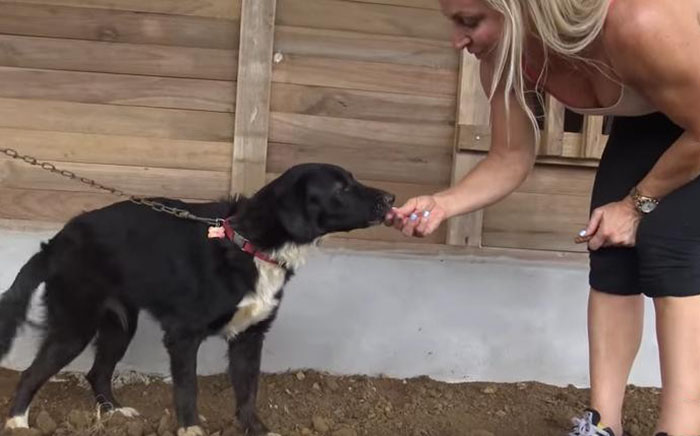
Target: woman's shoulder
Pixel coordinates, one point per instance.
(631, 22)
(641, 35)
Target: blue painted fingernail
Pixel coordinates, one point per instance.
(582, 233)
(413, 217)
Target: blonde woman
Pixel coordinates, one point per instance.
(638, 60)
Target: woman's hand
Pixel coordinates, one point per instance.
(612, 225)
(419, 216)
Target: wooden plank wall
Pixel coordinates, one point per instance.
(141, 95)
(138, 95)
(367, 85)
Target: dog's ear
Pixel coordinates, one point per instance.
(299, 213)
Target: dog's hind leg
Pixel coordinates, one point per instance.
(182, 349)
(58, 349)
(244, 370)
(114, 334)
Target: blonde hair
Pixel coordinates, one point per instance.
(565, 27)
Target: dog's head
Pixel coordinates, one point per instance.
(311, 200)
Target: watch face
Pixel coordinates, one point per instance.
(647, 206)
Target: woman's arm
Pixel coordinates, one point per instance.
(504, 168)
(655, 48)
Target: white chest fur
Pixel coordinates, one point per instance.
(258, 305)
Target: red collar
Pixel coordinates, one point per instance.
(244, 244)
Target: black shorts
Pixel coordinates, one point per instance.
(666, 259)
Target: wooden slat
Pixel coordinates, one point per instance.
(55, 146)
(423, 4)
(465, 229)
(592, 141)
(473, 107)
(205, 8)
(368, 76)
(117, 89)
(473, 138)
(543, 213)
(117, 26)
(366, 105)
(253, 96)
(331, 132)
(365, 18)
(559, 180)
(551, 140)
(408, 164)
(152, 60)
(48, 205)
(365, 47)
(115, 120)
(536, 221)
(179, 183)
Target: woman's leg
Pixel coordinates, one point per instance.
(615, 324)
(678, 334)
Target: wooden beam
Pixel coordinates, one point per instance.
(473, 111)
(593, 141)
(551, 142)
(253, 95)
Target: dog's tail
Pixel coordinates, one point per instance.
(14, 302)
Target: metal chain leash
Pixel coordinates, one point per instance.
(156, 206)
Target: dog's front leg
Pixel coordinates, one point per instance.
(183, 368)
(244, 369)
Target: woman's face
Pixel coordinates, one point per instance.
(477, 27)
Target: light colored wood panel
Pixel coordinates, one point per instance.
(115, 120)
(478, 138)
(536, 221)
(473, 138)
(116, 26)
(54, 146)
(147, 181)
(409, 164)
(48, 205)
(117, 89)
(253, 96)
(365, 105)
(423, 4)
(364, 47)
(551, 141)
(326, 131)
(106, 57)
(557, 179)
(593, 140)
(368, 76)
(205, 8)
(366, 18)
(473, 104)
(465, 229)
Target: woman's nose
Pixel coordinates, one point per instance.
(460, 39)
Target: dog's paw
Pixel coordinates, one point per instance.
(19, 421)
(195, 430)
(128, 412)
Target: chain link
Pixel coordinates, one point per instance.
(156, 206)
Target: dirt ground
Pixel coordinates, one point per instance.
(312, 403)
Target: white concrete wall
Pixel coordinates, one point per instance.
(453, 319)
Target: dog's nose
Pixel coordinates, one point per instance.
(388, 198)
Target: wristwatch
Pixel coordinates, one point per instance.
(643, 203)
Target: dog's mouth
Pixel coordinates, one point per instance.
(381, 208)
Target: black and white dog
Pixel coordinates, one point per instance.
(106, 265)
